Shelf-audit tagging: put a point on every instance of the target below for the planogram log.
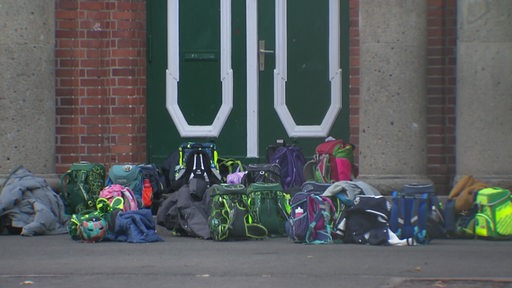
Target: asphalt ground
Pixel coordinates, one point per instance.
(57, 261)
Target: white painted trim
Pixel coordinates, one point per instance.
(280, 74)
(172, 77)
(252, 78)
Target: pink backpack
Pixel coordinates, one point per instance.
(116, 190)
(333, 162)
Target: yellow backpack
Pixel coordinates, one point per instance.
(494, 217)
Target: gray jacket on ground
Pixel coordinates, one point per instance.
(29, 203)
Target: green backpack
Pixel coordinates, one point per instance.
(229, 217)
(270, 206)
(494, 217)
(81, 185)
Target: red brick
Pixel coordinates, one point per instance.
(92, 5)
(66, 14)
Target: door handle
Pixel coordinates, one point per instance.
(261, 54)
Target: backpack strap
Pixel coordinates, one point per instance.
(401, 212)
(64, 180)
(223, 229)
(323, 170)
(130, 201)
(422, 202)
(415, 217)
(294, 157)
(82, 177)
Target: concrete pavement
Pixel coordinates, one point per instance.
(56, 261)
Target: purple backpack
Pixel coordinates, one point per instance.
(291, 161)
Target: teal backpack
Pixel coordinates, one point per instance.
(269, 206)
(229, 217)
(127, 175)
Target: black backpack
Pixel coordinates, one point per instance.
(191, 160)
(262, 173)
(156, 178)
(367, 221)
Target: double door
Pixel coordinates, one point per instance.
(246, 74)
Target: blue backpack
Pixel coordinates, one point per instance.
(416, 213)
(291, 161)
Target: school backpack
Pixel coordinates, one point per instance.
(262, 173)
(269, 206)
(128, 175)
(153, 174)
(229, 217)
(310, 220)
(194, 160)
(291, 161)
(367, 221)
(342, 195)
(81, 185)
(494, 217)
(333, 161)
(113, 191)
(416, 213)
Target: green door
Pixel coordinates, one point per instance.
(246, 74)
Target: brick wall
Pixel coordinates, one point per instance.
(100, 81)
(441, 81)
(354, 73)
